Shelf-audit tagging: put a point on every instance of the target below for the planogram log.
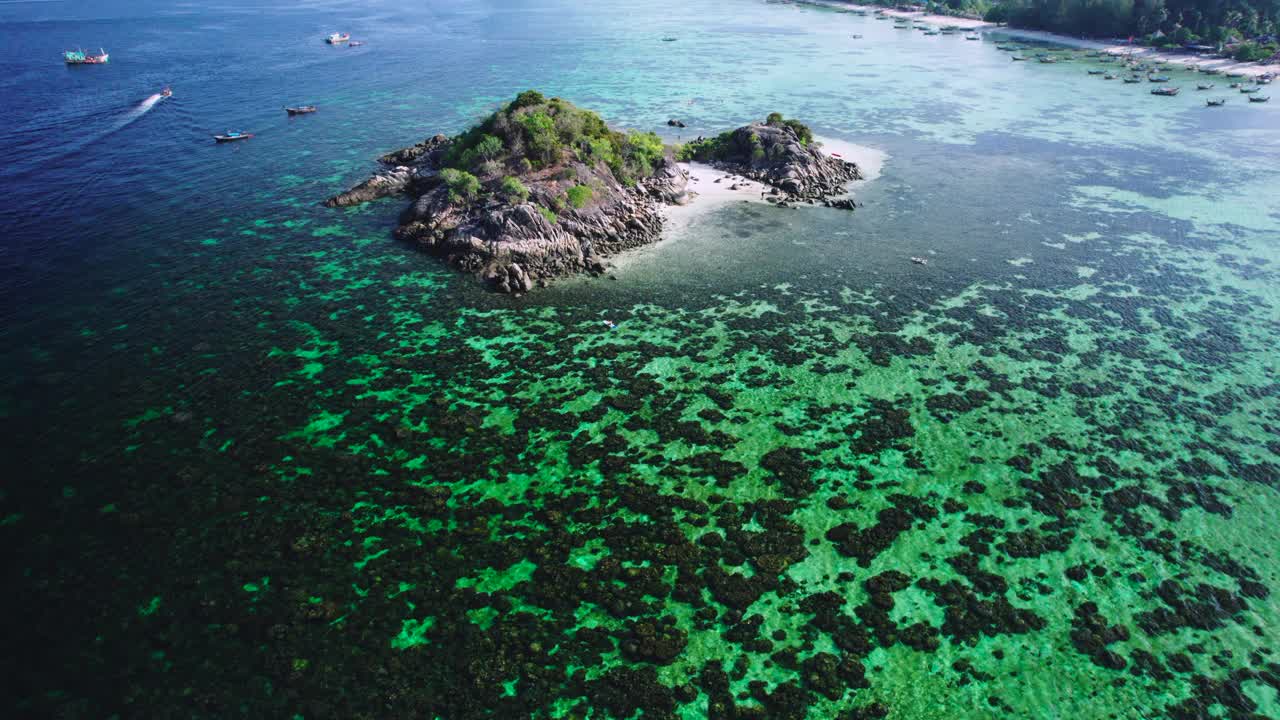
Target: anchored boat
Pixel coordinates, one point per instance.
(1216, 103)
(80, 57)
(1166, 91)
(1255, 98)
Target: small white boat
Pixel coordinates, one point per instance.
(337, 38)
(920, 260)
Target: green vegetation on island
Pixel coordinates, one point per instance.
(534, 132)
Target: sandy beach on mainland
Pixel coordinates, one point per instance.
(1224, 65)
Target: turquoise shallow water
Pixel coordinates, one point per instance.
(270, 463)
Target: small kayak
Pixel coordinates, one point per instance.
(300, 110)
(232, 136)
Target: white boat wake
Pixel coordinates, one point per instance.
(138, 111)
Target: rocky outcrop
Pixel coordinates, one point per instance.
(513, 244)
(780, 155)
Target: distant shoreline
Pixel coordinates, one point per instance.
(1225, 65)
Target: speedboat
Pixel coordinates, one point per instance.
(338, 37)
(232, 136)
(166, 92)
(300, 110)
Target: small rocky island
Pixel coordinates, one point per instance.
(543, 189)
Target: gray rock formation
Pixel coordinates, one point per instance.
(775, 155)
(512, 244)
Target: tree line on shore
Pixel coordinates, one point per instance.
(1246, 28)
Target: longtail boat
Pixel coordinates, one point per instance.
(1166, 91)
(1256, 98)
